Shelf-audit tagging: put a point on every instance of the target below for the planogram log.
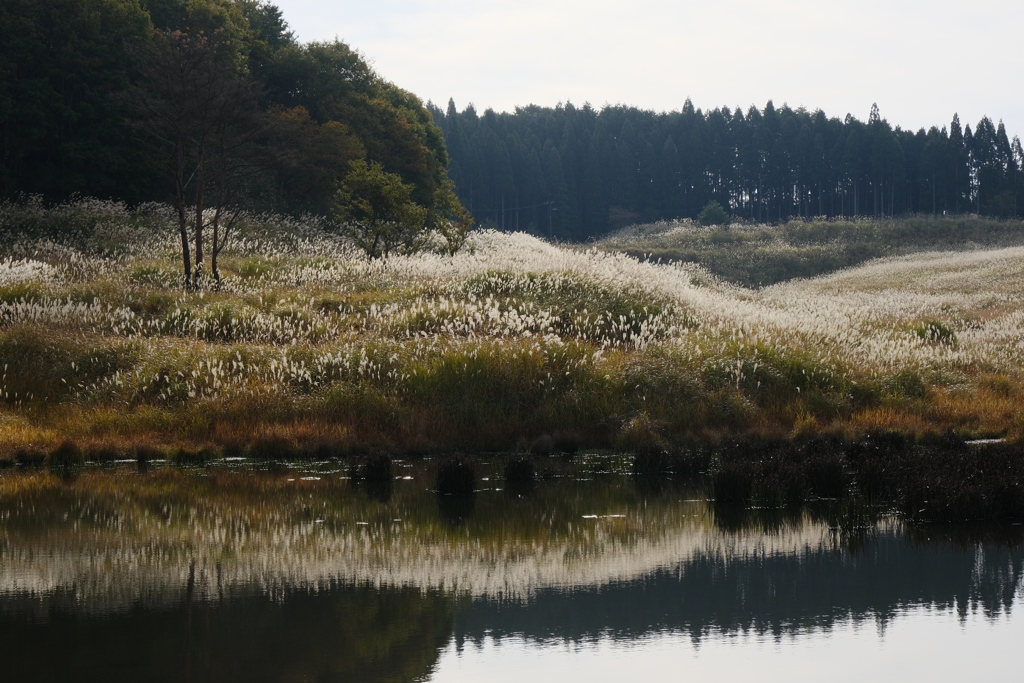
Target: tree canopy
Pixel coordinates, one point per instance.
(211, 105)
(589, 171)
(72, 73)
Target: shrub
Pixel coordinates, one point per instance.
(825, 474)
(103, 453)
(641, 435)
(272, 448)
(713, 214)
(193, 457)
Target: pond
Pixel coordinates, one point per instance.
(239, 573)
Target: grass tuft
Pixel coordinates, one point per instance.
(376, 468)
(543, 445)
(29, 456)
(455, 476)
(519, 469)
(66, 460)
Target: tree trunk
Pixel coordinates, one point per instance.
(200, 205)
(179, 197)
(215, 247)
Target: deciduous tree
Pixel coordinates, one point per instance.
(202, 111)
(377, 211)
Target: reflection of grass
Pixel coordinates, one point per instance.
(243, 507)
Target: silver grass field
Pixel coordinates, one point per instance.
(304, 344)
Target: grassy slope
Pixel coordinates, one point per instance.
(755, 255)
(307, 347)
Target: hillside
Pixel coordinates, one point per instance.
(757, 255)
(308, 345)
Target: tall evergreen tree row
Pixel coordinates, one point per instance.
(578, 172)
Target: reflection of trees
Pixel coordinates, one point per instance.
(337, 633)
(774, 594)
(196, 574)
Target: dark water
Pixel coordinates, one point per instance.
(231, 574)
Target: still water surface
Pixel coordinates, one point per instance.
(238, 574)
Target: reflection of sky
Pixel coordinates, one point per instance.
(920, 62)
(918, 645)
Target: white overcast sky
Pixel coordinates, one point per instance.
(921, 61)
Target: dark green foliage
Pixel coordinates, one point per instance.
(71, 121)
(590, 171)
(378, 213)
(653, 463)
(713, 214)
(192, 457)
(144, 454)
(566, 442)
(825, 473)
(63, 64)
(327, 450)
(273, 448)
(103, 454)
(781, 473)
(642, 435)
(943, 478)
(940, 478)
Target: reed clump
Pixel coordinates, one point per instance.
(733, 484)
(519, 470)
(185, 456)
(455, 476)
(66, 460)
(542, 445)
(566, 442)
(29, 456)
(377, 467)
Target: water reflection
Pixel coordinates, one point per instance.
(233, 574)
(456, 509)
(332, 633)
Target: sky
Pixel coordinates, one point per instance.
(920, 60)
